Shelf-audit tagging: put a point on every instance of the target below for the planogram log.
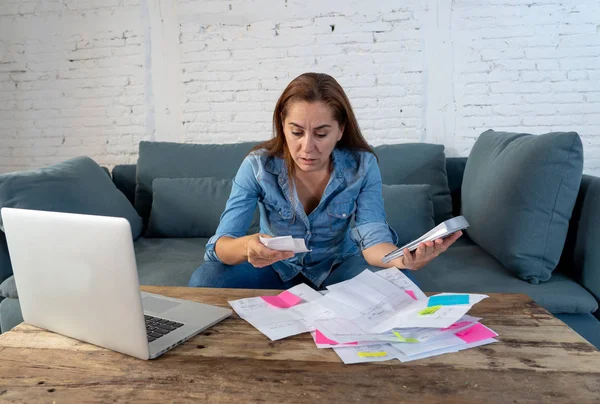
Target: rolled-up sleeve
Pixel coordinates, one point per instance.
(371, 225)
(240, 207)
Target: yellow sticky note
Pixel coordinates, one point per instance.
(429, 310)
(371, 354)
(402, 339)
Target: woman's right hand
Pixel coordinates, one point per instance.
(260, 255)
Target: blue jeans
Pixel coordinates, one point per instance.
(218, 275)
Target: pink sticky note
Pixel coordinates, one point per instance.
(322, 339)
(411, 294)
(476, 333)
(284, 300)
(454, 326)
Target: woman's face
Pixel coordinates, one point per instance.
(311, 134)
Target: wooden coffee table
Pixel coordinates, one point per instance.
(538, 360)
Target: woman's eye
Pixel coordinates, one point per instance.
(321, 135)
(297, 133)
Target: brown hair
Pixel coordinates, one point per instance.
(314, 87)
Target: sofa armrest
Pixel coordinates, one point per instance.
(581, 254)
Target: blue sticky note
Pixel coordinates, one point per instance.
(447, 300)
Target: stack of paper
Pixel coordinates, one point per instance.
(371, 317)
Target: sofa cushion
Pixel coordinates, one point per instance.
(10, 314)
(466, 267)
(518, 195)
(78, 185)
(408, 210)
(8, 288)
(181, 160)
(418, 163)
(455, 168)
(581, 255)
(5, 264)
(189, 207)
(123, 176)
(168, 261)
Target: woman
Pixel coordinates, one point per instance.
(310, 180)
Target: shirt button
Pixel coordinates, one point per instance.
(343, 215)
(308, 233)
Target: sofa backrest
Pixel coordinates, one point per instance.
(181, 160)
(124, 177)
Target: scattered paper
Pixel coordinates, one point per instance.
(285, 243)
(274, 322)
(396, 277)
(375, 353)
(277, 323)
(377, 300)
(371, 317)
(404, 358)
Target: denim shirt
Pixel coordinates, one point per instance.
(353, 192)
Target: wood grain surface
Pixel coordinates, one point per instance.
(538, 360)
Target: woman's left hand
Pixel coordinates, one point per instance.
(425, 253)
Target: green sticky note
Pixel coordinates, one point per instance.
(402, 339)
(429, 310)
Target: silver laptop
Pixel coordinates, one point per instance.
(76, 275)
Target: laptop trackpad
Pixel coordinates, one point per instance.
(157, 305)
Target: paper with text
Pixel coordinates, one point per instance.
(285, 243)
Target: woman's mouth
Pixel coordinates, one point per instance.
(307, 160)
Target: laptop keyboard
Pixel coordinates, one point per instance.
(158, 327)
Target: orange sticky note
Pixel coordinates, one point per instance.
(284, 300)
(411, 294)
(476, 333)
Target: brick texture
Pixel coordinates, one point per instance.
(76, 77)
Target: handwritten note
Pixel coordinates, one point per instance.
(447, 300)
(284, 300)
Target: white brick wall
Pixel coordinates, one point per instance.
(527, 67)
(95, 77)
(71, 82)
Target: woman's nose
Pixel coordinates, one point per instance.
(309, 143)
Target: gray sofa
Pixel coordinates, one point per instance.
(572, 292)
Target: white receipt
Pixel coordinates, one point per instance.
(285, 243)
